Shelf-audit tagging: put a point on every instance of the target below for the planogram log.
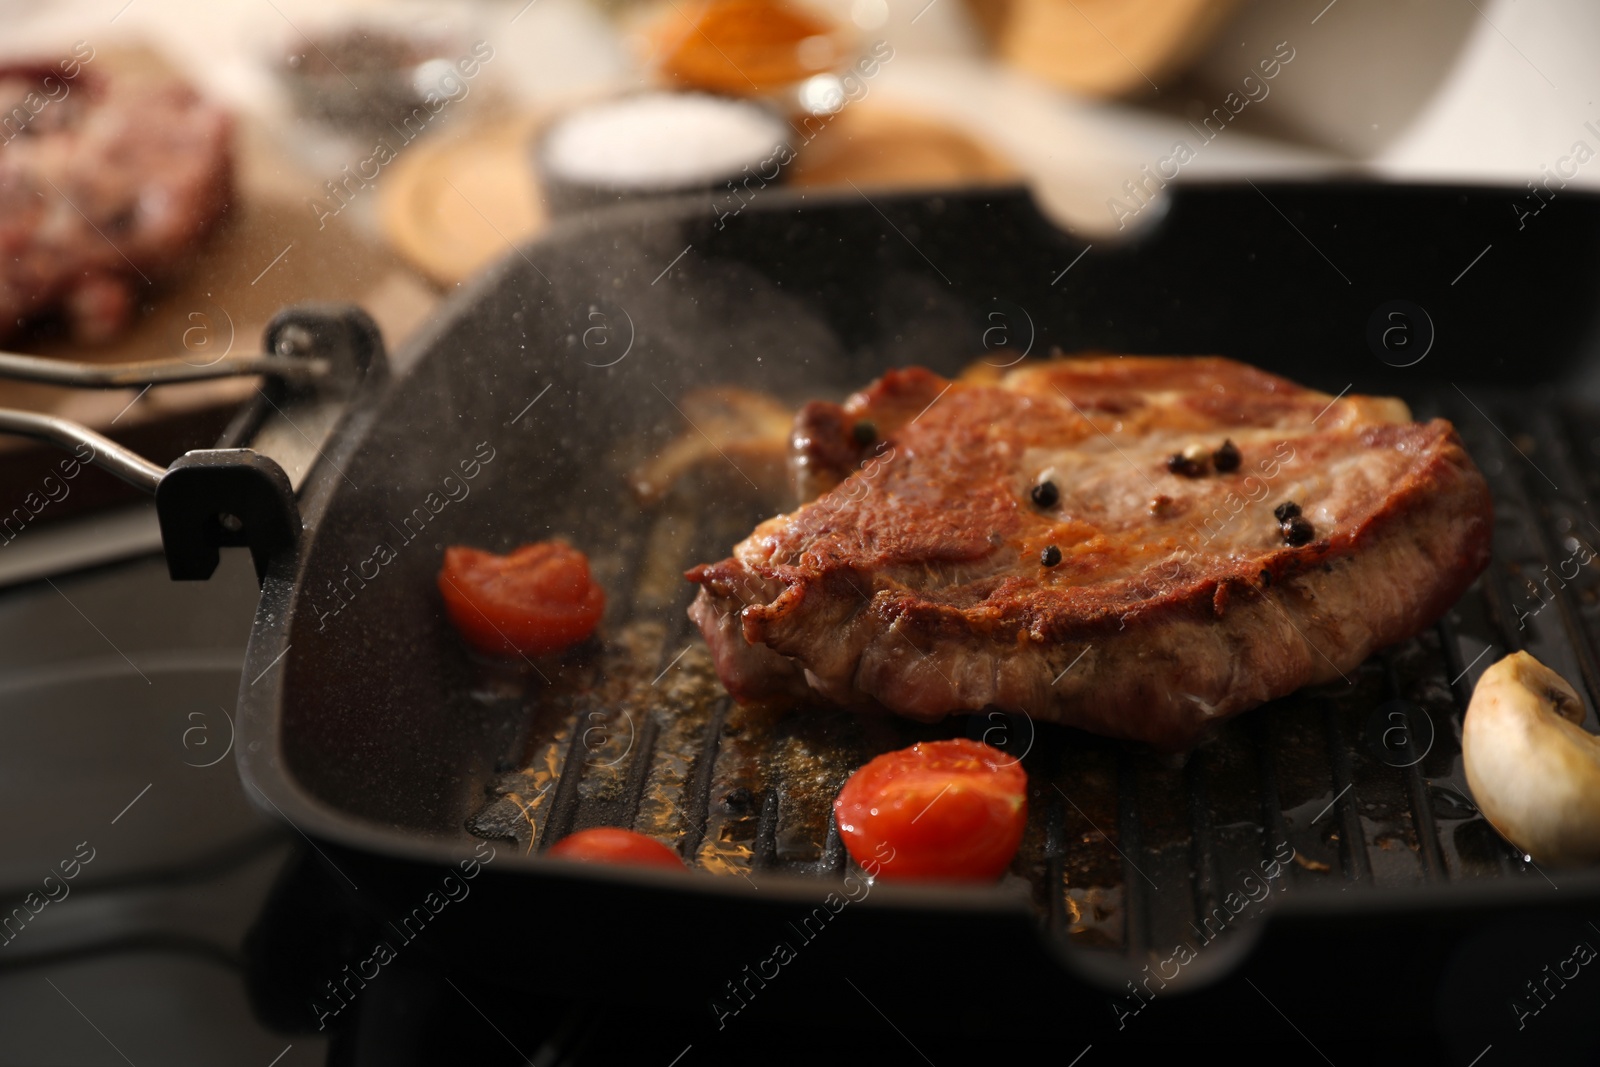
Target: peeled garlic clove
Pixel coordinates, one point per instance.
(1533, 770)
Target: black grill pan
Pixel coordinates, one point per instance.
(364, 724)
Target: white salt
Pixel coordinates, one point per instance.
(662, 140)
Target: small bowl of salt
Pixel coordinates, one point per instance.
(656, 144)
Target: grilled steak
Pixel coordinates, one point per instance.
(103, 186)
(1134, 546)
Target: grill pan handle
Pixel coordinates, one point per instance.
(103, 452)
(158, 371)
(211, 499)
(207, 500)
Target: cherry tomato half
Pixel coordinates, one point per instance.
(607, 844)
(949, 810)
(535, 601)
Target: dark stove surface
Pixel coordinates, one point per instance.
(131, 864)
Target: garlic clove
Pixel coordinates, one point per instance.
(1534, 771)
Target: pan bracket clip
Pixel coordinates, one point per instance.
(224, 498)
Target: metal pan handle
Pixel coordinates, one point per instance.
(210, 499)
(206, 501)
(158, 371)
(103, 451)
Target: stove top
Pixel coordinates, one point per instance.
(131, 864)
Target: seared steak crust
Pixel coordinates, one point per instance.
(916, 582)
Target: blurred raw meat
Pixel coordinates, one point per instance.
(104, 187)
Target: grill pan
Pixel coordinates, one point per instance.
(375, 731)
(364, 724)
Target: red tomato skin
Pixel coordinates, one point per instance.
(537, 600)
(937, 811)
(608, 844)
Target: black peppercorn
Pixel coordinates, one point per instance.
(1226, 458)
(738, 799)
(1192, 463)
(1189, 467)
(864, 432)
(1286, 511)
(1297, 531)
(1050, 556)
(1045, 495)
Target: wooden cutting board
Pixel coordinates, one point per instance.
(457, 204)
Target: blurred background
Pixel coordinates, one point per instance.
(216, 162)
(387, 151)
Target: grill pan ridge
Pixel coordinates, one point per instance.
(371, 731)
